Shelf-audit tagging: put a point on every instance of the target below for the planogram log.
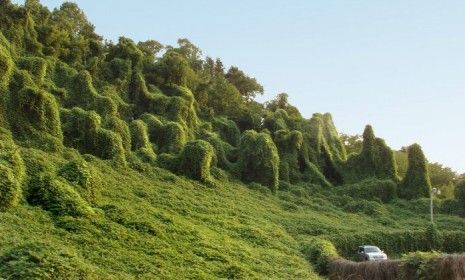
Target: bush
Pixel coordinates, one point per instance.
(227, 130)
(81, 175)
(10, 188)
(44, 261)
(11, 172)
(6, 67)
(170, 137)
(320, 253)
(433, 237)
(173, 138)
(36, 66)
(56, 196)
(259, 159)
(196, 159)
(82, 93)
(419, 265)
(120, 127)
(82, 130)
(223, 150)
(34, 114)
(140, 141)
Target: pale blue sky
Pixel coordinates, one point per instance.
(398, 65)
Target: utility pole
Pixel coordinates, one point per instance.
(431, 193)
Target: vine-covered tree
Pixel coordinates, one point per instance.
(416, 182)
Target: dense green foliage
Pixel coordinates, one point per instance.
(441, 177)
(320, 252)
(374, 160)
(416, 182)
(11, 172)
(259, 159)
(130, 160)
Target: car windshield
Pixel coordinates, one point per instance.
(372, 250)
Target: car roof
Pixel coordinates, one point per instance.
(368, 246)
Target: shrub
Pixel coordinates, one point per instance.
(170, 137)
(11, 172)
(36, 66)
(82, 130)
(44, 261)
(6, 67)
(419, 265)
(223, 150)
(119, 126)
(196, 159)
(227, 130)
(173, 138)
(416, 182)
(259, 159)
(320, 253)
(433, 237)
(56, 196)
(81, 175)
(83, 93)
(10, 188)
(34, 114)
(140, 140)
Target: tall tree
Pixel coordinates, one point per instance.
(247, 86)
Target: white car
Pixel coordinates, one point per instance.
(371, 253)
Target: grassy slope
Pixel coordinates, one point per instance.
(157, 225)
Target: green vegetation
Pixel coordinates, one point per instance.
(134, 160)
(416, 182)
(375, 160)
(259, 159)
(320, 252)
(416, 265)
(11, 172)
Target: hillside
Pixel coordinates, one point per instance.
(141, 161)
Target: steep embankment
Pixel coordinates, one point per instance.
(153, 224)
